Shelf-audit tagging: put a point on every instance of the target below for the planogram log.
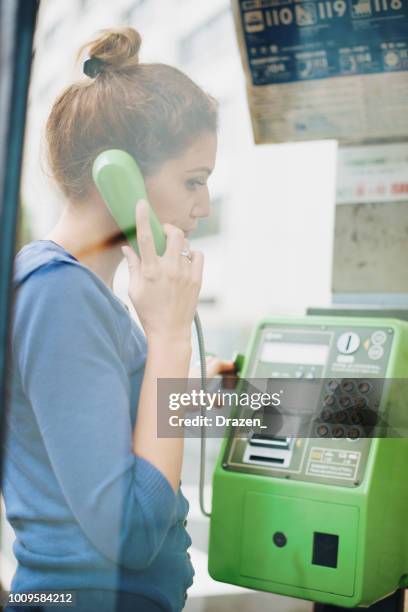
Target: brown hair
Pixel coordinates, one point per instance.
(152, 111)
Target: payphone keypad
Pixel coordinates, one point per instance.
(349, 408)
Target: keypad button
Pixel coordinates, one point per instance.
(353, 433)
(333, 385)
(361, 402)
(326, 415)
(322, 431)
(364, 386)
(341, 416)
(345, 401)
(347, 385)
(356, 417)
(329, 400)
(338, 431)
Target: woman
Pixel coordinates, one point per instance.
(92, 493)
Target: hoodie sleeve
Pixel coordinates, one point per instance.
(68, 346)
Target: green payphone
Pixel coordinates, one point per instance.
(320, 516)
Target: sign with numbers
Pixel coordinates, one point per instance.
(325, 68)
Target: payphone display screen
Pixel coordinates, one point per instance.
(293, 352)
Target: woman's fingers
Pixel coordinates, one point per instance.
(216, 366)
(165, 289)
(132, 259)
(144, 235)
(175, 242)
(197, 263)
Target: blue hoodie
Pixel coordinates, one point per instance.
(87, 512)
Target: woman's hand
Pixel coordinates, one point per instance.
(215, 366)
(164, 290)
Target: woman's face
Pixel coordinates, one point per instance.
(178, 192)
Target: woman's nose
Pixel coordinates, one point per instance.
(202, 207)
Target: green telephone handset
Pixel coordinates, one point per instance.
(120, 183)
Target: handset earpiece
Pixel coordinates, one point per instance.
(121, 185)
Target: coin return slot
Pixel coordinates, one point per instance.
(325, 549)
(269, 450)
(277, 460)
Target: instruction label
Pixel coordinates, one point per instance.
(372, 174)
(333, 463)
(288, 40)
(325, 68)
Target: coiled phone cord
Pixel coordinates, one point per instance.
(203, 369)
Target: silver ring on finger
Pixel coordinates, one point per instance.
(186, 253)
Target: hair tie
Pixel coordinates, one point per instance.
(93, 66)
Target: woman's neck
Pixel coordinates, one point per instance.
(87, 237)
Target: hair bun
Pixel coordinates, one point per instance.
(117, 48)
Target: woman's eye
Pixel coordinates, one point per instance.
(195, 183)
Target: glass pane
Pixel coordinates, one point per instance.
(92, 502)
